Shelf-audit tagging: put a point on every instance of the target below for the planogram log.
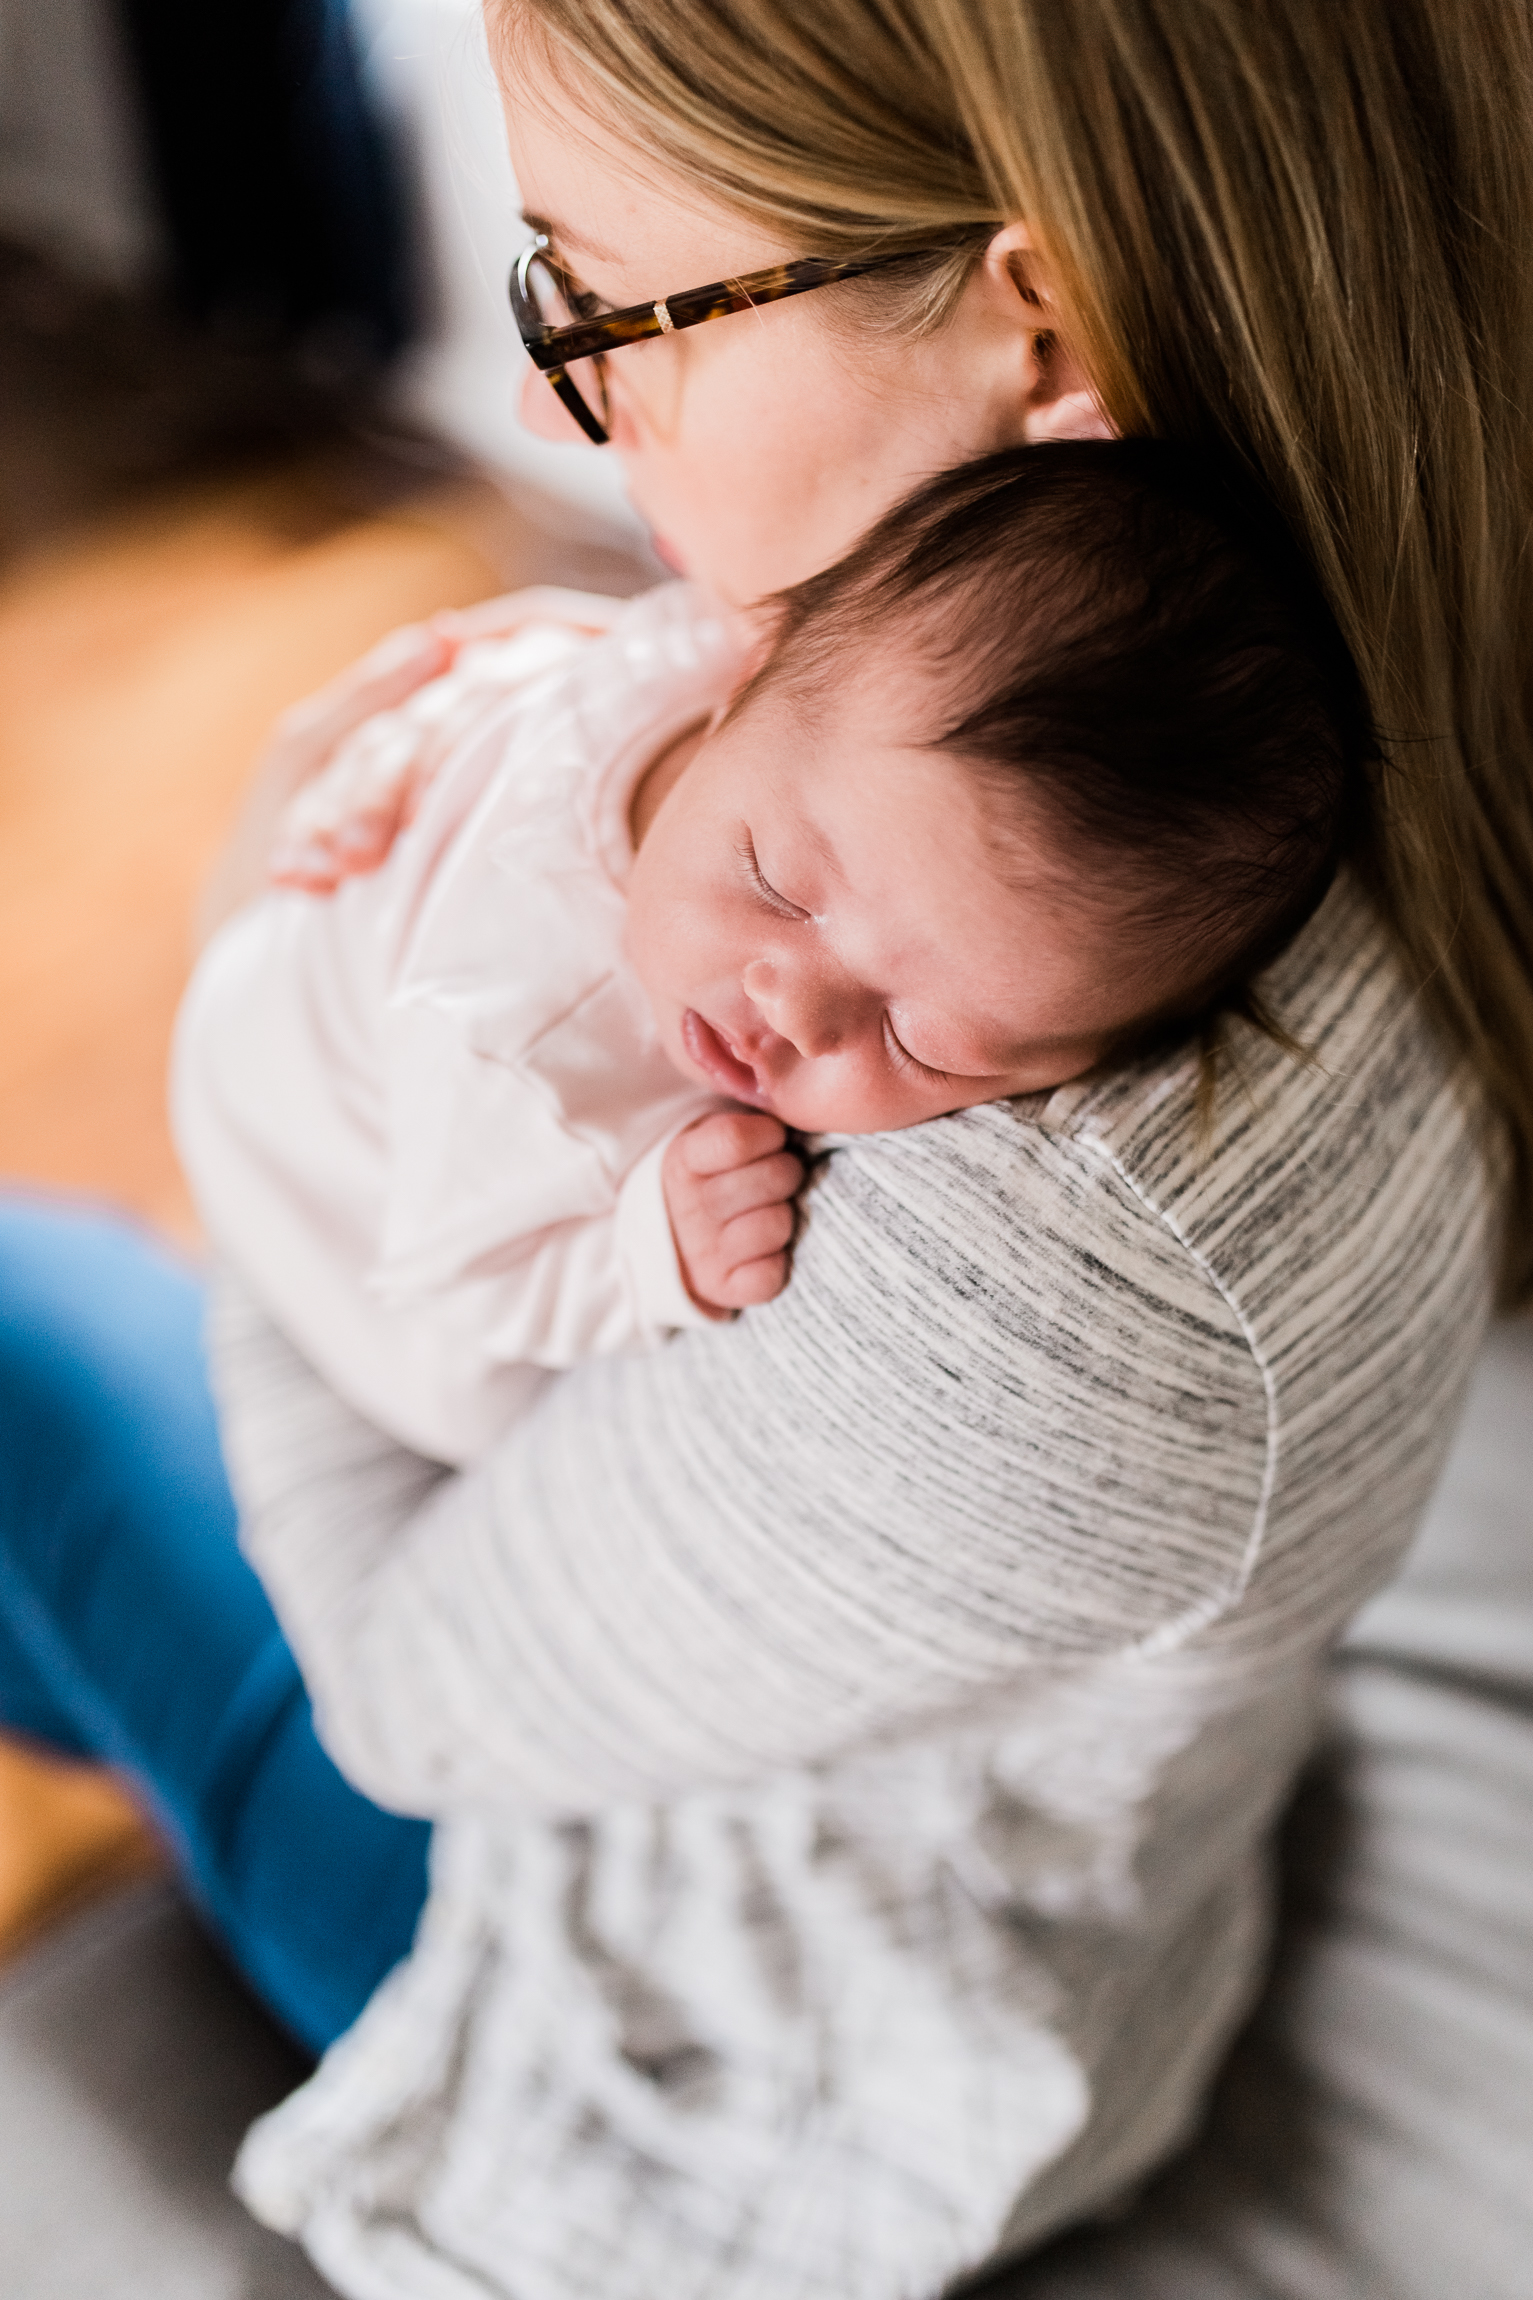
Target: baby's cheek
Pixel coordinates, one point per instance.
(876, 1101)
(833, 1098)
(641, 943)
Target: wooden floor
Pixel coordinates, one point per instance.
(152, 623)
(140, 665)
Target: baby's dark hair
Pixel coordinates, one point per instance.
(1126, 629)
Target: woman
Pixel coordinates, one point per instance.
(854, 1733)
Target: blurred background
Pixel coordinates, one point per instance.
(258, 391)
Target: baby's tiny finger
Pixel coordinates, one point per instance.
(728, 1139)
(765, 1230)
(764, 1182)
(755, 1282)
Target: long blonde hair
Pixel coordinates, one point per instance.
(1303, 228)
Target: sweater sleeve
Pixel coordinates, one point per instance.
(1001, 1421)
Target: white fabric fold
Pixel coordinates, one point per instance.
(410, 1112)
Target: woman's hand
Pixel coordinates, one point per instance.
(730, 1182)
(356, 771)
(329, 797)
(343, 763)
(302, 743)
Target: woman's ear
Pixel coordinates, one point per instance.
(1058, 401)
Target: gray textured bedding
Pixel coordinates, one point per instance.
(1372, 2138)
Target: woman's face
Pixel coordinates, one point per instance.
(760, 446)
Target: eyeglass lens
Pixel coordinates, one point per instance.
(559, 305)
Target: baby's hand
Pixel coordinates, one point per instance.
(729, 1189)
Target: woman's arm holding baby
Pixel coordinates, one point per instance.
(323, 807)
(781, 1538)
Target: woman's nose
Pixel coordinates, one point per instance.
(800, 1004)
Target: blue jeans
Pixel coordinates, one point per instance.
(132, 1630)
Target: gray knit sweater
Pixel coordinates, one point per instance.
(855, 1731)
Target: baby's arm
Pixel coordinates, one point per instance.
(730, 1182)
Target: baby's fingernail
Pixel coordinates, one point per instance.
(357, 839)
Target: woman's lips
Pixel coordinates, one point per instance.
(717, 1060)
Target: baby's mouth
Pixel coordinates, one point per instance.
(718, 1061)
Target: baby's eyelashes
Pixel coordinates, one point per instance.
(905, 1060)
(762, 886)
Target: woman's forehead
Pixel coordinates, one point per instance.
(607, 204)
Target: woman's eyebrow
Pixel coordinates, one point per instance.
(563, 236)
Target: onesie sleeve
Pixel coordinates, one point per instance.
(1001, 1421)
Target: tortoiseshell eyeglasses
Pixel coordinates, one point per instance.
(559, 320)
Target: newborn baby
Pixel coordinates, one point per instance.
(1047, 769)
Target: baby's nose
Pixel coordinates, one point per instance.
(801, 1007)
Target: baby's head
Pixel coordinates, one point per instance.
(1048, 767)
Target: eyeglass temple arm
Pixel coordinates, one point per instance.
(552, 347)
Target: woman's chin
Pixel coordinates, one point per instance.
(668, 553)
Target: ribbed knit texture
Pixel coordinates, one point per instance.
(855, 1731)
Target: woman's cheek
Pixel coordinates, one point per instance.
(724, 491)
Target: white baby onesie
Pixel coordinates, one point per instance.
(424, 1117)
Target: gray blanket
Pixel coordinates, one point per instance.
(1372, 2138)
